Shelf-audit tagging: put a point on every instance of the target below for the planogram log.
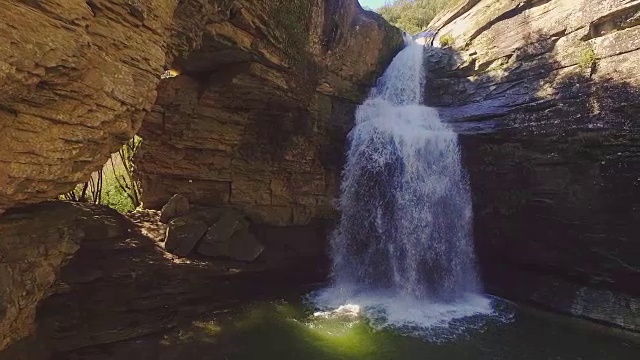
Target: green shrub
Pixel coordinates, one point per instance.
(115, 197)
(114, 185)
(587, 58)
(447, 40)
(414, 16)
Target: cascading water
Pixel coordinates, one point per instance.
(403, 248)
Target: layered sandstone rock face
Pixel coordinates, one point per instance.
(77, 78)
(258, 117)
(256, 120)
(547, 93)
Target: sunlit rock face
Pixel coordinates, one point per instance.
(77, 78)
(547, 95)
(257, 119)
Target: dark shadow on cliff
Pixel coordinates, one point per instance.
(122, 285)
(553, 154)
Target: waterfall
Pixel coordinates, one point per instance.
(403, 247)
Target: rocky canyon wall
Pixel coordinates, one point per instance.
(258, 117)
(77, 78)
(262, 82)
(547, 97)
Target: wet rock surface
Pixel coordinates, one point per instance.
(546, 97)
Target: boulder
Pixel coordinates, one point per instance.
(216, 240)
(178, 205)
(183, 234)
(209, 216)
(243, 246)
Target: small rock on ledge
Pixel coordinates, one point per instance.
(178, 205)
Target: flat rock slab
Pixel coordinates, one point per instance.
(183, 235)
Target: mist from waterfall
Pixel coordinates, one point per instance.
(403, 248)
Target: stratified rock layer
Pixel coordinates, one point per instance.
(267, 91)
(35, 243)
(547, 95)
(77, 78)
(258, 117)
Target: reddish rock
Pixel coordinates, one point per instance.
(78, 78)
(76, 83)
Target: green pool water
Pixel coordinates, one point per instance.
(287, 329)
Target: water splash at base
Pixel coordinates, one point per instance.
(431, 321)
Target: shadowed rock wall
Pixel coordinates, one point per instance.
(547, 96)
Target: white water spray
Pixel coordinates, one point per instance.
(403, 249)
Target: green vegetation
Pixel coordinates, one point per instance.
(414, 16)
(587, 58)
(114, 184)
(447, 40)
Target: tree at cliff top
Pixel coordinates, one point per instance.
(413, 16)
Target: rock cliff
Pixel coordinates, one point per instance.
(547, 97)
(257, 119)
(35, 243)
(77, 78)
(260, 80)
